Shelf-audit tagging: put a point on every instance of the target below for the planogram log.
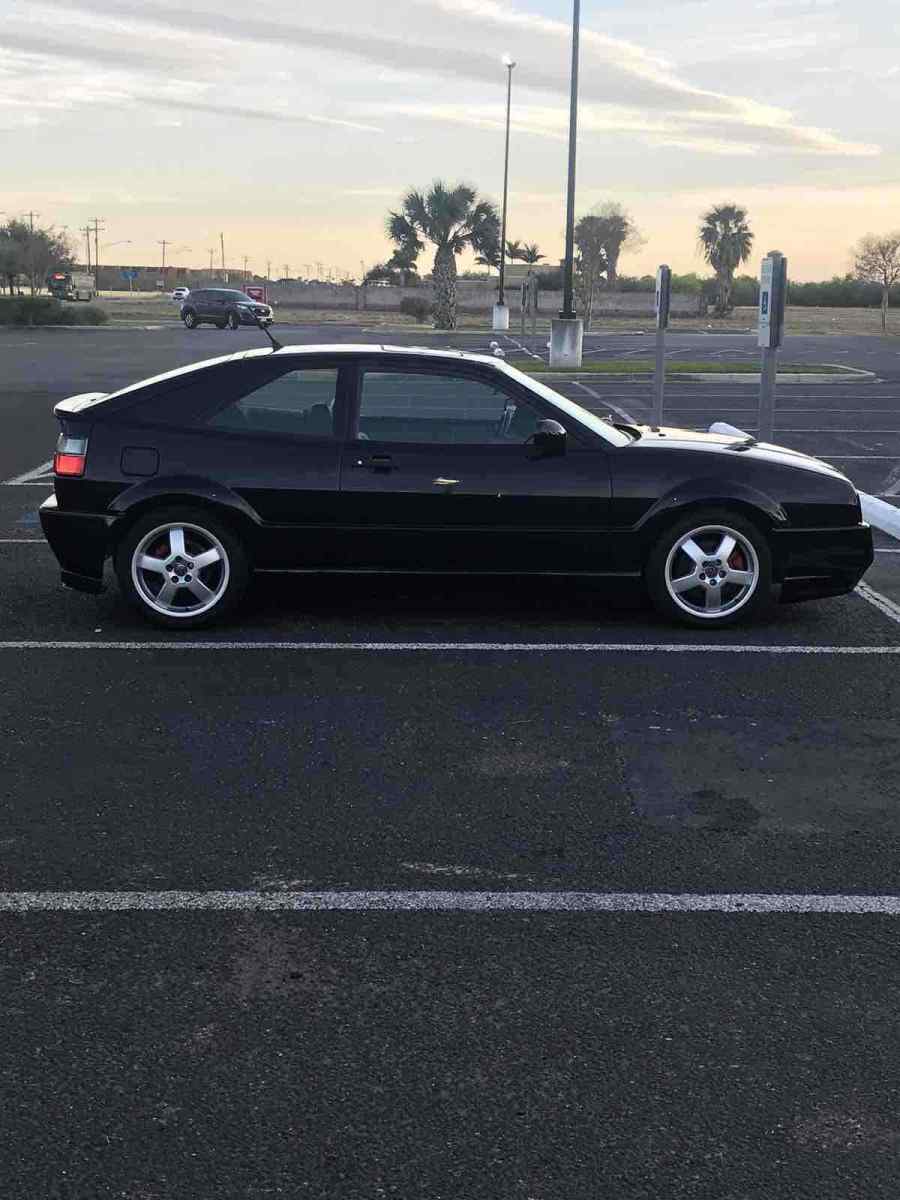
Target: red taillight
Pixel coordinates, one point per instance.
(70, 456)
(68, 464)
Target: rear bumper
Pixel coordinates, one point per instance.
(812, 563)
(80, 542)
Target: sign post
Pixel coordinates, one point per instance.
(772, 295)
(663, 292)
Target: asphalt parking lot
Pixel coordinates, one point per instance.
(453, 744)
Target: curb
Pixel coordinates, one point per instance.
(882, 515)
(853, 375)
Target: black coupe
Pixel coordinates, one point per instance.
(381, 458)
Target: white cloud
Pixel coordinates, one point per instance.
(464, 39)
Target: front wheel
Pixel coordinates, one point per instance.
(711, 569)
(234, 321)
(190, 319)
(182, 568)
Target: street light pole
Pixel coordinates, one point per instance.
(568, 308)
(509, 64)
(567, 332)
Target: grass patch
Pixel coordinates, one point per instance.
(632, 366)
(44, 310)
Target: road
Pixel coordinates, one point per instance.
(462, 739)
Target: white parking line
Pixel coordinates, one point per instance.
(464, 647)
(23, 541)
(882, 603)
(42, 475)
(620, 412)
(485, 902)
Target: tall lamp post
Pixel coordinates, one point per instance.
(121, 242)
(567, 331)
(501, 311)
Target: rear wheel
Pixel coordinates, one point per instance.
(182, 567)
(221, 324)
(190, 319)
(234, 321)
(711, 569)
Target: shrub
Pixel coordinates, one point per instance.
(417, 307)
(44, 310)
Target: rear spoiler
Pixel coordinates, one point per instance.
(73, 405)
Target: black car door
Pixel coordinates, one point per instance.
(437, 475)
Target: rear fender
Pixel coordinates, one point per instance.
(132, 503)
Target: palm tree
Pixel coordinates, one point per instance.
(453, 219)
(531, 253)
(725, 242)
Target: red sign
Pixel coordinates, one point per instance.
(257, 292)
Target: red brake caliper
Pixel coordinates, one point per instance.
(738, 559)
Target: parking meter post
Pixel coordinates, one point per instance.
(766, 429)
(772, 296)
(663, 292)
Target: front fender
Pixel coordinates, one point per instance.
(714, 492)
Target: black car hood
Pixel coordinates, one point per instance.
(726, 444)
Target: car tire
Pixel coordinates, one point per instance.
(698, 578)
(234, 321)
(221, 324)
(190, 319)
(190, 596)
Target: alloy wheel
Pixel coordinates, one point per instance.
(712, 571)
(180, 570)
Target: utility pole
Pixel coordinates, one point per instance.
(318, 270)
(31, 217)
(268, 270)
(164, 243)
(97, 228)
(287, 270)
(211, 252)
(222, 245)
(245, 268)
(87, 237)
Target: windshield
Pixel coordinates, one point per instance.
(596, 424)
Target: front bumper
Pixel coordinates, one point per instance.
(80, 542)
(249, 318)
(813, 563)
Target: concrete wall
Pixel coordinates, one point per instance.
(473, 295)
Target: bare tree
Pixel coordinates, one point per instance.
(591, 263)
(619, 233)
(876, 259)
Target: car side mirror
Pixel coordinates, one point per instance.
(547, 441)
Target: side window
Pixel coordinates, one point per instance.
(408, 406)
(300, 403)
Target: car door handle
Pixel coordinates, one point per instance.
(376, 462)
(444, 483)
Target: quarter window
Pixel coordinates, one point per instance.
(407, 406)
(300, 403)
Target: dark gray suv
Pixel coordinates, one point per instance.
(223, 308)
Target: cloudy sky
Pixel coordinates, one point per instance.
(293, 127)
